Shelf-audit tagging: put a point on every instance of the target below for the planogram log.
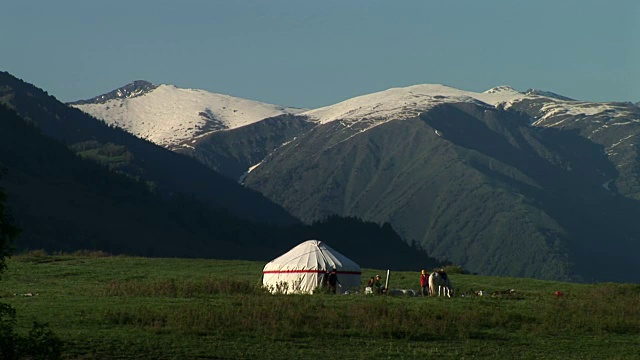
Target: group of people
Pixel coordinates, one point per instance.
(331, 282)
(374, 286)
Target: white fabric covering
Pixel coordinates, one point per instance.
(301, 270)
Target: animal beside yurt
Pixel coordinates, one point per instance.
(303, 270)
(440, 282)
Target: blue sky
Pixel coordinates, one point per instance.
(315, 53)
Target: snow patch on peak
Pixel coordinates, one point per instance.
(502, 90)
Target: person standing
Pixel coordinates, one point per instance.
(443, 274)
(332, 280)
(424, 283)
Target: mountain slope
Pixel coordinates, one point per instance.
(613, 126)
(169, 172)
(233, 153)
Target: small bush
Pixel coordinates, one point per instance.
(91, 253)
(185, 289)
(40, 343)
(39, 253)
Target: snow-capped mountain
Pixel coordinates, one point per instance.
(168, 116)
(182, 119)
(404, 103)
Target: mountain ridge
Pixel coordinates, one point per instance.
(130, 90)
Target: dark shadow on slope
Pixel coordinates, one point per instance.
(232, 152)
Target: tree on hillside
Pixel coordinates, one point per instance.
(40, 343)
(8, 231)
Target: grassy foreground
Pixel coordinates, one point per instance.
(139, 308)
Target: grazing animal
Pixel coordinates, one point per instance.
(402, 292)
(441, 283)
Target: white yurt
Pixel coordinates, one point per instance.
(302, 269)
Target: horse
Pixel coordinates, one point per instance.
(442, 283)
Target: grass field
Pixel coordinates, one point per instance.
(106, 307)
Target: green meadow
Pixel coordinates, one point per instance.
(116, 307)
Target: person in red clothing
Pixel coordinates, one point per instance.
(424, 283)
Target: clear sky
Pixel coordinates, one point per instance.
(314, 53)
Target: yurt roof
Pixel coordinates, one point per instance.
(312, 255)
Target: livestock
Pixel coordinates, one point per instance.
(441, 282)
(402, 292)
